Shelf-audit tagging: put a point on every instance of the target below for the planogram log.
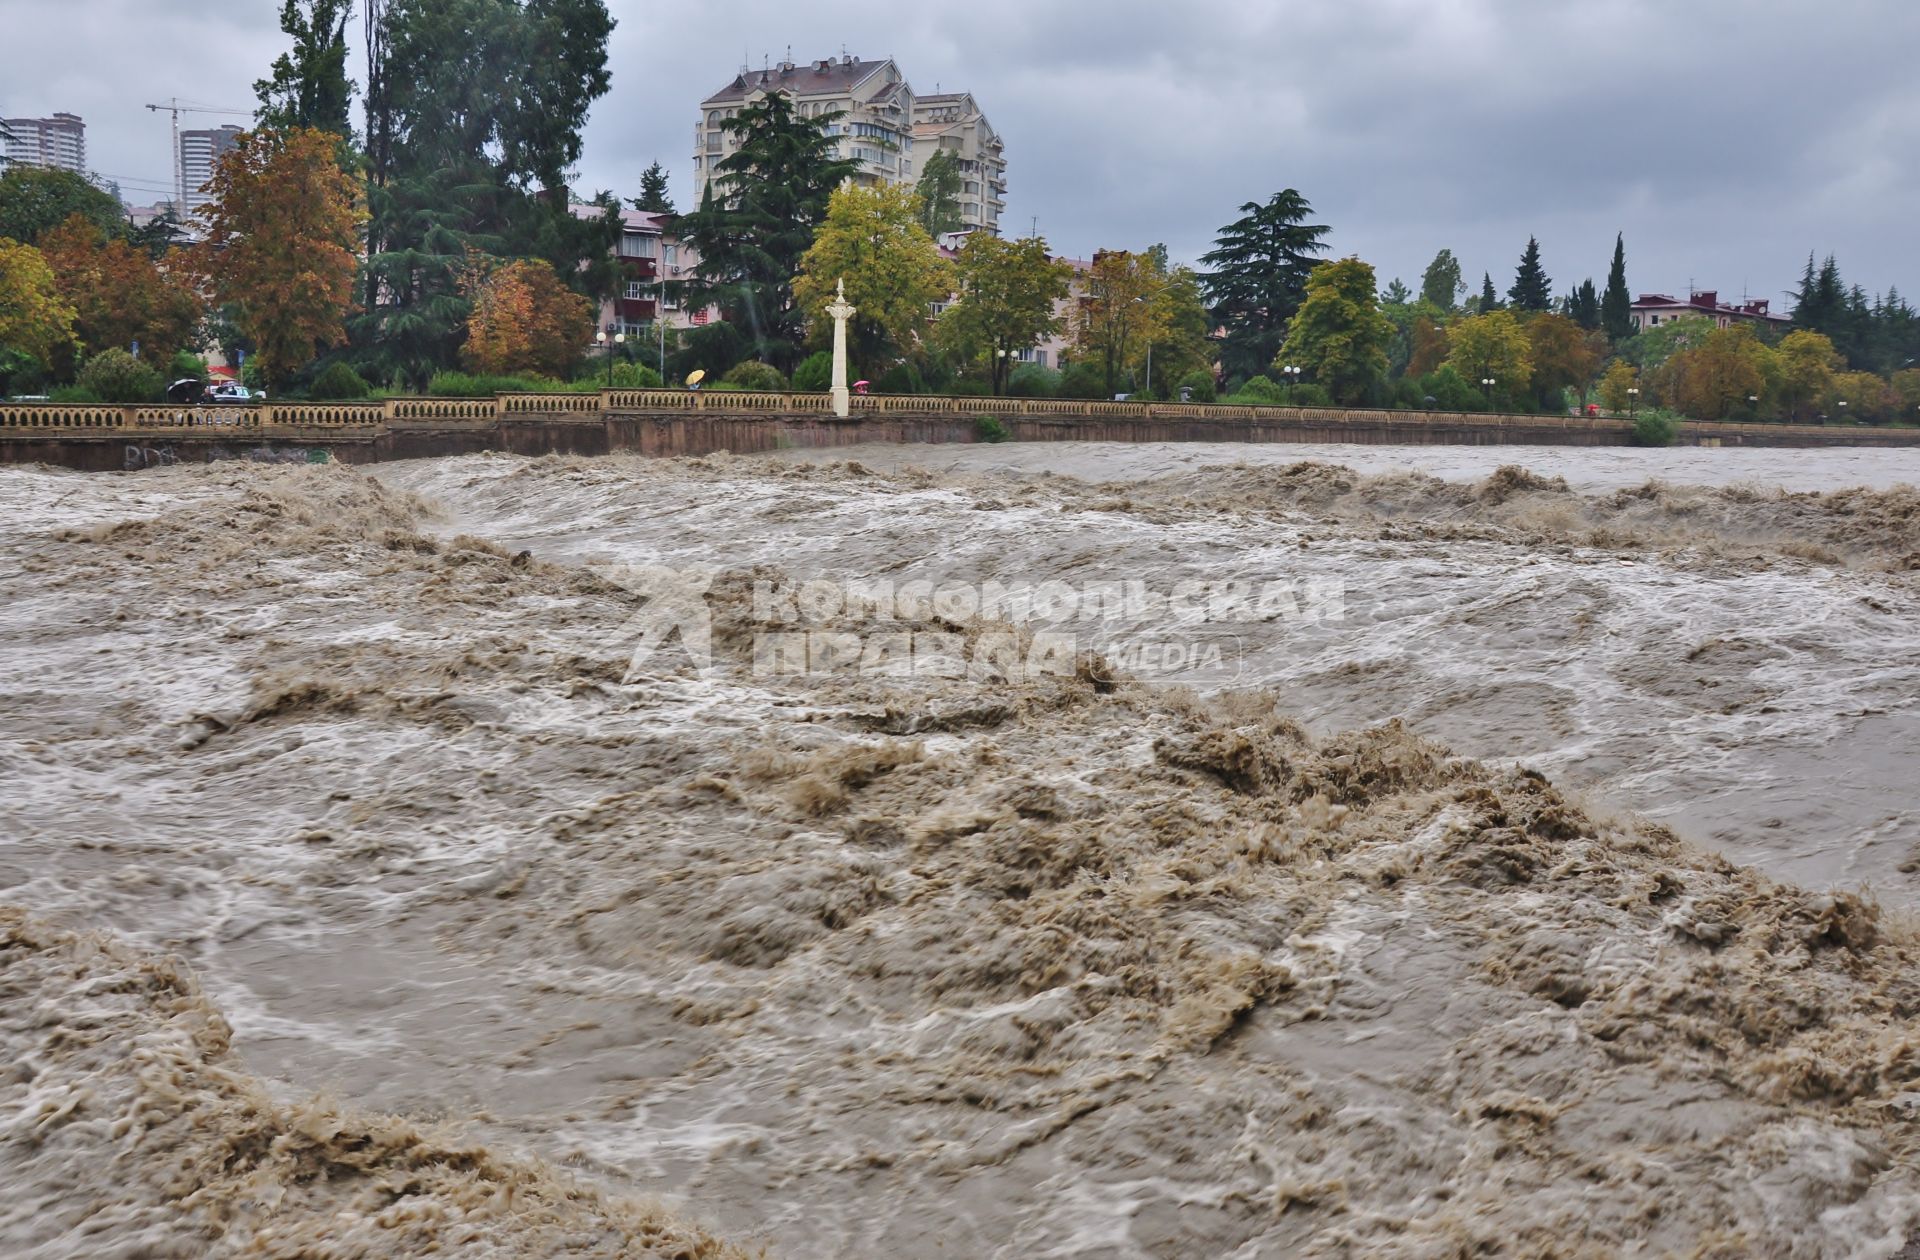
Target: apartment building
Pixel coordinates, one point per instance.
(652, 261)
(59, 142)
(200, 151)
(952, 121)
(885, 127)
(1650, 310)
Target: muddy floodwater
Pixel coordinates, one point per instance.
(1026, 850)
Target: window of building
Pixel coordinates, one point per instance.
(633, 245)
(672, 253)
(1653, 319)
(1040, 357)
(635, 291)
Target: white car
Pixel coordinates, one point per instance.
(229, 392)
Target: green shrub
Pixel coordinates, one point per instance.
(900, 379)
(989, 429)
(467, 385)
(1198, 384)
(1450, 392)
(1656, 426)
(73, 394)
(1308, 395)
(970, 389)
(115, 376)
(1030, 380)
(755, 375)
(186, 364)
(1259, 391)
(815, 373)
(1082, 380)
(21, 373)
(635, 376)
(337, 382)
(712, 348)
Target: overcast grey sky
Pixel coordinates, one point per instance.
(1726, 138)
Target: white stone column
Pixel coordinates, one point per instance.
(841, 313)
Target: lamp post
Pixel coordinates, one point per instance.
(1753, 405)
(1633, 397)
(610, 338)
(1292, 373)
(1843, 411)
(1002, 370)
(1487, 383)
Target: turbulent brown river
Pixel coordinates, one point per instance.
(979, 851)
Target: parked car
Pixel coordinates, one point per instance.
(230, 392)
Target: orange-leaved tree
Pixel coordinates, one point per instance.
(34, 318)
(283, 231)
(120, 294)
(524, 319)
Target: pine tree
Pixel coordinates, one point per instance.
(1531, 289)
(653, 198)
(1584, 306)
(758, 219)
(1616, 305)
(1489, 299)
(1260, 263)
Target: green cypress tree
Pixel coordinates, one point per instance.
(1531, 290)
(1616, 305)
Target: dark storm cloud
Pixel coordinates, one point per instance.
(1725, 139)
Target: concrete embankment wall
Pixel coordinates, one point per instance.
(674, 423)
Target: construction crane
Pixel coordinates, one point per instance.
(177, 107)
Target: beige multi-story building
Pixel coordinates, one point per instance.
(883, 126)
(59, 142)
(200, 150)
(952, 121)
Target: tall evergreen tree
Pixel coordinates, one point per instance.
(474, 110)
(1259, 265)
(1616, 305)
(1489, 298)
(308, 86)
(757, 220)
(1820, 302)
(1531, 290)
(1441, 285)
(1584, 306)
(653, 198)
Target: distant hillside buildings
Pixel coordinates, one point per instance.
(886, 127)
(59, 142)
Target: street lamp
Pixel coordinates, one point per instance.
(1843, 411)
(1002, 369)
(1753, 405)
(1292, 374)
(610, 338)
(1487, 383)
(1633, 396)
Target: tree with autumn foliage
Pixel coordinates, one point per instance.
(34, 318)
(120, 294)
(1118, 317)
(1494, 346)
(1564, 357)
(873, 239)
(283, 231)
(1007, 294)
(524, 319)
